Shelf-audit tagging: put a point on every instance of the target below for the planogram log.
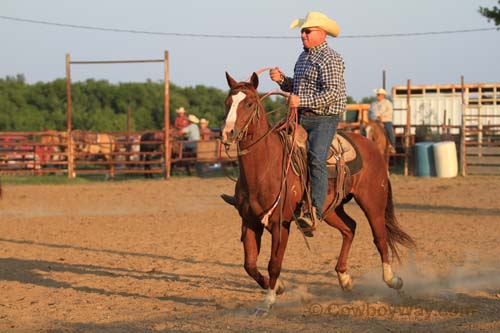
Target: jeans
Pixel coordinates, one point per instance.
(390, 132)
(320, 131)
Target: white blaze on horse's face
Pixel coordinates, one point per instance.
(232, 115)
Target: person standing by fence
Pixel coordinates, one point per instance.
(192, 133)
(181, 120)
(382, 110)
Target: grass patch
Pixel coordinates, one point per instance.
(40, 180)
(99, 178)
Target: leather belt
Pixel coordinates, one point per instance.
(308, 113)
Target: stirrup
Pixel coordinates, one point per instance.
(308, 222)
(306, 225)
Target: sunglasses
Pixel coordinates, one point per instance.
(307, 31)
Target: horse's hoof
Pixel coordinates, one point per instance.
(345, 281)
(395, 283)
(348, 285)
(280, 287)
(261, 312)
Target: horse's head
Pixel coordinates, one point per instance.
(241, 107)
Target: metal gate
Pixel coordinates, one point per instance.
(480, 134)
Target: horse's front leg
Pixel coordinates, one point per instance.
(276, 286)
(251, 238)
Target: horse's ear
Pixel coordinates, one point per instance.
(254, 80)
(230, 81)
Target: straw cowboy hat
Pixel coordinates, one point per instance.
(380, 91)
(203, 121)
(192, 118)
(317, 19)
(180, 110)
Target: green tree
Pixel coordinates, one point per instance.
(99, 105)
(491, 13)
(368, 100)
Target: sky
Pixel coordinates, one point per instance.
(38, 51)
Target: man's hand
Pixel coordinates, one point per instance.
(294, 101)
(275, 74)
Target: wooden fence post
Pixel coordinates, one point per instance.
(463, 157)
(166, 126)
(71, 167)
(408, 126)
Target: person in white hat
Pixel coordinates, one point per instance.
(181, 120)
(382, 110)
(318, 91)
(192, 132)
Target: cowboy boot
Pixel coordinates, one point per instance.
(308, 222)
(229, 199)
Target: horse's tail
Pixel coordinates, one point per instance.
(395, 234)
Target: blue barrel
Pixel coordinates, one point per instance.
(424, 159)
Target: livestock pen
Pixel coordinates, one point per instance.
(466, 113)
(111, 153)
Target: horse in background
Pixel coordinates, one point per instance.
(52, 147)
(376, 132)
(267, 196)
(150, 143)
(96, 146)
(152, 148)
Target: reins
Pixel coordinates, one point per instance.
(292, 116)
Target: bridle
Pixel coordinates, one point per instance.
(255, 115)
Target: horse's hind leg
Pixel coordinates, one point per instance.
(112, 169)
(373, 205)
(147, 166)
(347, 227)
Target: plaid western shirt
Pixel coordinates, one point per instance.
(318, 81)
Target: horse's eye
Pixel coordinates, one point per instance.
(249, 104)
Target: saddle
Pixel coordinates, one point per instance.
(342, 150)
(343, 161)
(345, 151)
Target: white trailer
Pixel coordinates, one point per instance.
(437, 105)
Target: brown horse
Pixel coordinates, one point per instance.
(52, 147)
(375, 131)
(151, 148)
(260, 189)
(96, 146)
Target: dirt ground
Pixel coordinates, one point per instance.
(153, 256)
